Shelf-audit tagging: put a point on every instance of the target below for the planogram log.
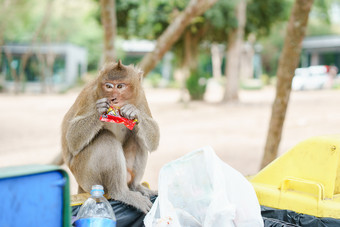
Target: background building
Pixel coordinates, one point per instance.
(53, 66)
(321, 50)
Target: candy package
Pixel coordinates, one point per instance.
(113, 115)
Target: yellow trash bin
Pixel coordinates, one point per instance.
(306, 179)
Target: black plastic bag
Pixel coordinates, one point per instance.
(127, 216)
(281, 218)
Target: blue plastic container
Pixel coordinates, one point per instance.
(95, 222)
(34, 196)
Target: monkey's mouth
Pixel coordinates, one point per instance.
(114, 101)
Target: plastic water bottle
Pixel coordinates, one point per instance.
(96, 210)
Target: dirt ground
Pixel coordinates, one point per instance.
(30, 126)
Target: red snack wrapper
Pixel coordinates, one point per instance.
(113, 115)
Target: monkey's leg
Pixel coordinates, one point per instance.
(138, 169)
(103, 162)
(80, 190)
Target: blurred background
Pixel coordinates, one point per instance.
(212, 69)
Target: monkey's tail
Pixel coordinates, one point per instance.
(58, 160)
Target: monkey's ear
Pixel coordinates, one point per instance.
(140, 75)
(119, 64)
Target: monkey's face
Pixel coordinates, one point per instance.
(119, 92)
(119, 83)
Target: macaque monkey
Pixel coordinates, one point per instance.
(108, 153)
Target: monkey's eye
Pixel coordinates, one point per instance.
(120, 86)
(109, 85)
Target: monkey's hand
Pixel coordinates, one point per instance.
(147, 131)
(129, 111)
(102, 105)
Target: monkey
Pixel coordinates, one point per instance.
(107, 153)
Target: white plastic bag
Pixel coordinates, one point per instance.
(199, 189)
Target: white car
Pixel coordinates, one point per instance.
(311, 78)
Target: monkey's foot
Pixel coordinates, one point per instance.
(136, 200)
(144, 190)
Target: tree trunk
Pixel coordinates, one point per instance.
(190, 56)
(234, 48)
(289, 60)
(4, 7)
(247, 63)
(191, 47)
(13, 70)
(42, 71)
(108, 18)
(216, 61)
(173, 32)
(50, 59)
(189, 62)
(24, 58)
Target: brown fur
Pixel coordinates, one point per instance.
(107, 153)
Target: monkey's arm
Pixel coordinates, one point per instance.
(147, 132)
(81, 130)
(84, 126)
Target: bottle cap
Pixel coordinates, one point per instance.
(97, 189)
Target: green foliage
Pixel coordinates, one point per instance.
(20, 19)
(319, 22)
(80, 28)
(319, 29)
(320, 10)
(221, 20)
(271, 48)
(196, 84)
(146, 19)
(78, 22)
(126, 12)
(261, 15)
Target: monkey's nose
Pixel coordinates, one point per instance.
(114, 101)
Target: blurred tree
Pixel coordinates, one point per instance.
(296, 30)
(260, 16)
(319, 23)
(196, 84)
(218, 23)
(108, 19)
(174, 31)
(320, 19)
(143, 19)
(4, 7)
(38, 32)
(157, 18)
(149, 19)
(71, 22)
(19, 75)
(216, 60)
(271, 48)
(224, 27)
(265, 19)
(234, 49)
